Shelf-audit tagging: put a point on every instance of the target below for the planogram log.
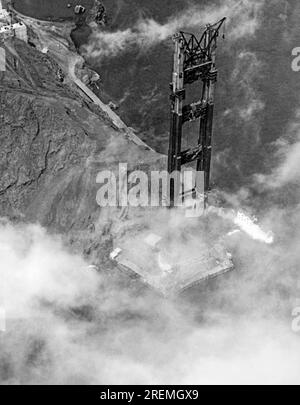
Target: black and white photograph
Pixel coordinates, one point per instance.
(149, 195)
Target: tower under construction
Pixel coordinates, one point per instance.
(165, 264)
(194, 60)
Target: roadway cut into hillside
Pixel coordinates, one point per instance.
(54, 39)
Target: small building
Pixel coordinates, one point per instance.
(17, 30)
(20, 31)
(6, 31)
(4, 16)
(3, 13)
(9, 29)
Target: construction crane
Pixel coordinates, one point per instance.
(194, 60)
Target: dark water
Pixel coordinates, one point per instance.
(49, 9)
(245, 145)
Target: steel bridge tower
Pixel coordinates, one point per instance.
(194, 60)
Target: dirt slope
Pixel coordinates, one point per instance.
(53, 144)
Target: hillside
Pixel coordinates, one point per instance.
(54, 142)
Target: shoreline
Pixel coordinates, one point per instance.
(55, 38)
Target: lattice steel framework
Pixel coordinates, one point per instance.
(194, 60)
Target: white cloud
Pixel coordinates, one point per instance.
(243, 20)
(67, 324)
